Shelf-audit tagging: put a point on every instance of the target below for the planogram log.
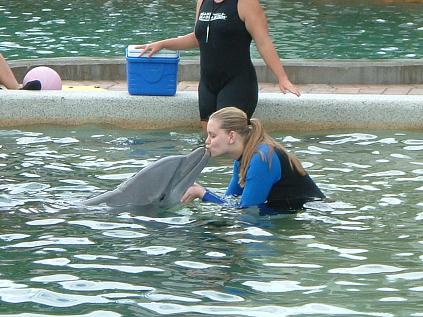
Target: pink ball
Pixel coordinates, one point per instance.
(49, 78)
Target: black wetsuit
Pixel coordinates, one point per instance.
(228, 77)
(293, 190)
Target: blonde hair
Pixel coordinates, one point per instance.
(253, 134)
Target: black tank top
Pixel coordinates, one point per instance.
(225, 46)
(293, 190)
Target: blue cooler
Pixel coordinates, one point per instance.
(154, 76)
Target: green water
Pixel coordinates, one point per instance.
(360, 254)
(321, 29)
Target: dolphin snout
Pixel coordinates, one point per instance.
(199, 152)
(197, 158)
(207, 152)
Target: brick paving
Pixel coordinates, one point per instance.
(412, 89)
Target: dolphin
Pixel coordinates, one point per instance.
(160, 184)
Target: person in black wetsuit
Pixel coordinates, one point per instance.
(223, 31)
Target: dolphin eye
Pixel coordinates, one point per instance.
(162, 197)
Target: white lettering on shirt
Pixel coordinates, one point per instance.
(208, 16)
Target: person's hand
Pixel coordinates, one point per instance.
(150, 48)
(286, 86)
(193, 192)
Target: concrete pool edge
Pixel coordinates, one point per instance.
(277, 111)
(300, 71)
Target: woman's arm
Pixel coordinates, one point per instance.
(260, 179)
(198, 191)
(184, 42)
(255, 21)
(7, 78)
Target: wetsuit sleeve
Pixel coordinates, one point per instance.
(233, 189)
(213, 198)
(259, 180)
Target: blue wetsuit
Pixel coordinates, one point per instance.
(228, 77)
(277, 186)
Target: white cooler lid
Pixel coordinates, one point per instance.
(135, 52)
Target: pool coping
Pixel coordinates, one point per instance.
(278, 112)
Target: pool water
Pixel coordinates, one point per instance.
(308, 29)
(360, 253)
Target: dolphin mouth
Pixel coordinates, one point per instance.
(201, 159)
(207, 152)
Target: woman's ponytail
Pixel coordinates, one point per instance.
(253, 134)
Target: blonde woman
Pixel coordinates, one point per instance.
(263, 171)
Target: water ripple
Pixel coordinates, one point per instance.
(32, 140)
(45, 222)
(13, 236)
(280, 286)
(98, 313)
(153, 250)
(124, 234)
(84, 285)
(393, 299)
(218, 296)
(183, 220)
(52, 241)
(251, 231)
(54, 278)
(366, 269)
(99, 225)
(385, 174)
(121, 268)
(297, 265)
(92, 257)
(260, 311)
(411, 276)
(163, 297)
(49, 298)
(31, 187)
(194, 265)
(346, 138)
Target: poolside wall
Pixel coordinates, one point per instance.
(277, 111)
(371, 72)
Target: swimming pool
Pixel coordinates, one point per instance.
(319, 29)
(359, 255)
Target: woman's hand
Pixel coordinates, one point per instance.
(193, 192)
(285, 86)
(150, 48)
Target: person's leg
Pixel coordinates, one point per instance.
(207, 105)
(241, 92)
(6, 76)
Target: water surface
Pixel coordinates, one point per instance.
(360, 254)
(322, 29)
